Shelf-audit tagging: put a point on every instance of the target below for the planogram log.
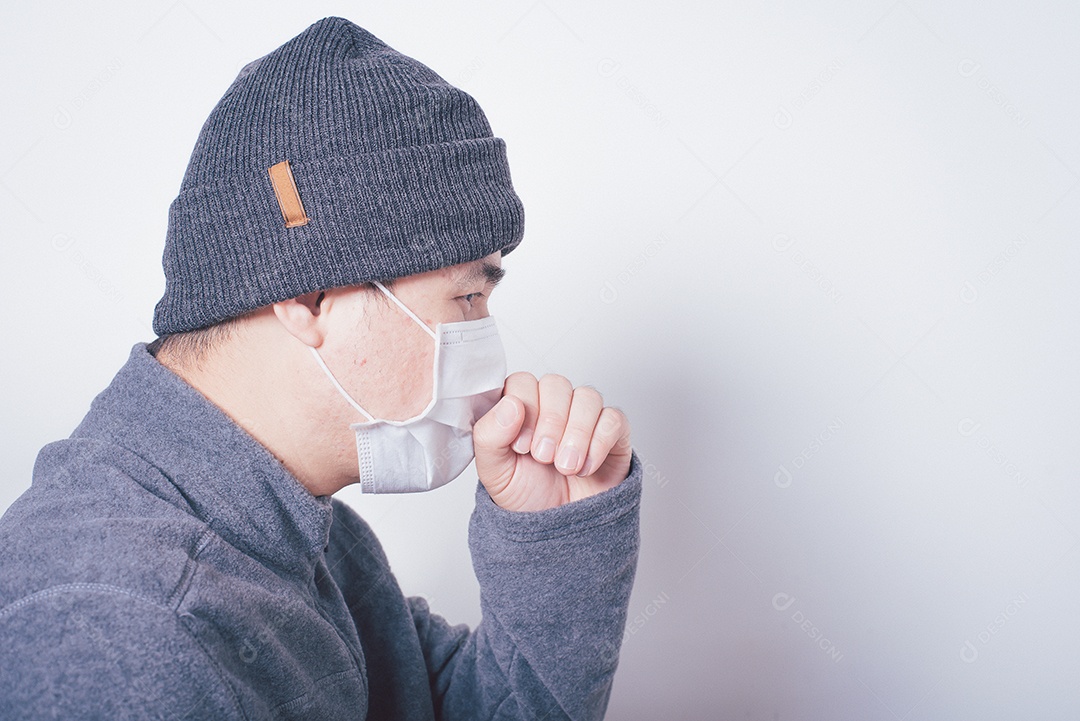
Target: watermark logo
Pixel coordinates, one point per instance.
(475, 65)
(248, 654)
(783, 602)
(607, 67)
(969, 68)
(64, 115)
(646, 614)
(968, 427)
(784, 244)
(66, 246)
(610, 69)
(969, 651)
(785, 118)
(653, 473)
(783, 476)
(969, 290)
(609, 290)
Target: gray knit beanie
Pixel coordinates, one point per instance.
(333, 160)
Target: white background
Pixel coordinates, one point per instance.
(823, 254)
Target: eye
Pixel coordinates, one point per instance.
(470, 297)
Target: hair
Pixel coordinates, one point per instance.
(191, 347)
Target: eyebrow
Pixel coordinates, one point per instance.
(486, 270)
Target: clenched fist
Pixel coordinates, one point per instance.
(546, 443)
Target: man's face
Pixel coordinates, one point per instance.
(381, 356)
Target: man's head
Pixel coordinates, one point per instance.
(258, 368)
(330, 163)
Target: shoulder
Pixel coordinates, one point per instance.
(88, 477)
(93, 515)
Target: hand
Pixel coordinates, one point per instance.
(520, 444)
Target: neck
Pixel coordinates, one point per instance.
(251, 387)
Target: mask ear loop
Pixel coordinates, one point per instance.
(434, 336)
(406, 309)
(434, 370)
(337, 385)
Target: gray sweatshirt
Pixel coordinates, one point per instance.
(163, 564)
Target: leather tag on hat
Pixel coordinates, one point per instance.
(288, 198)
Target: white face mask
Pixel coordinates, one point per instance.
(433, 448)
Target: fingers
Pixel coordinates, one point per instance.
(555, 395)
(491, 436)
(565, 426)
(612, 432)
(525, 386)
(498, 427)
(574, 447)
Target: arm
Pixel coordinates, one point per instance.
(554, 589)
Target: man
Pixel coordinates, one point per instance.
(328, 263)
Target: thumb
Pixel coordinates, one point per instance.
(492, 436)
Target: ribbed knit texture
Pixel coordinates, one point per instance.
(397, 170)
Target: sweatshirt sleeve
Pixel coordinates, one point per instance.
(90, 651)
(554, 590)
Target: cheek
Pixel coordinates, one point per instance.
(415, 370)
(398, 371)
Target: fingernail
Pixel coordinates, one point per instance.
(568, 459)
(521, 445)
(545, 450)
(505, 413)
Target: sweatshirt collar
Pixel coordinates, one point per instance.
(229, 480)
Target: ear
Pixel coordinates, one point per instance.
(303, 317)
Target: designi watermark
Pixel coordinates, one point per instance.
(645, 615)
(67, 246)
(609, 291)
(969, 290)
(783, 602)
(65, 113)
(968, 427)
(969, 652)
(969, 68)
(783, 476)
(611, 69)
(785, 245)
(785, 118)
